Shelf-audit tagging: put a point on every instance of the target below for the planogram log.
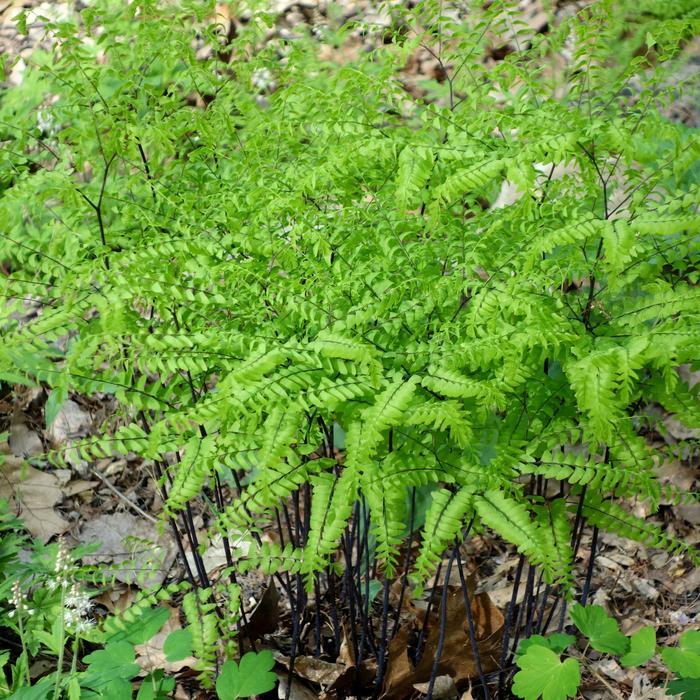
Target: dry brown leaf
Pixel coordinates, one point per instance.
(23, 441)
(457, 658)
(32, 495)
(265, 616)
(123, 537)
(71, 421)
(324, 673)
(78, 486)
(444, 687)
(298, 690)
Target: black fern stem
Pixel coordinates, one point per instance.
(421, 635)
(443, 624)
(288, 521)
(591, 562)
(331, 593)
(530, 622)
(524, 607)
(194, 542)
(383, 640)
(176, 531)
(349, 595)
(577, 530)
(363, 560)
(297, 612)
(171, 520)
(507, 626)
(472, 632)
(280, 532)
(562, 615)
(576, 534)
(543, 605)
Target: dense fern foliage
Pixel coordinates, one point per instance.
(291, 272)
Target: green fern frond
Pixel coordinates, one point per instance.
(415, 167)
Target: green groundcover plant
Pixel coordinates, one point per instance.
(544, 675)
(46, 612)
(295, 272)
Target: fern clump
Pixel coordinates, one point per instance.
(253, 275)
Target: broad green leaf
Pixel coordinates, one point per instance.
(544, 675)
(557, 642)
(684, 659)
(252, 677)
(687, 688)
(38, 691)
(642, 647)
(682, 662)
(116, 660)
(690, 641)
(116, 689)
(602, 631)
(178, 645)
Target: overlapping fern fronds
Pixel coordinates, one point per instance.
(251, 279)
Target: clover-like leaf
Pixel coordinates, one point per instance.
(690, 641)
(684, 660)
(642, 647)
(557, 642)
(251, 677)
(544, 675)
(687, 688)
(602, 631)
(116, 660)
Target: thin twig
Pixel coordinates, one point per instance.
(122, 496)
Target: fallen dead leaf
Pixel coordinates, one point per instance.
(78, 486)
(611, 669)
(310, 668)
(33, 494)
(298, 691)
(23, 441)
(123, 538)
(457, 658)
(444, 687)
(642, 689)
(71, 421)
(265, 615)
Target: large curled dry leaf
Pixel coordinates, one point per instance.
(457, 658)
(32, 494)
(126, 539)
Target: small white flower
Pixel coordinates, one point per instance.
(84, 625)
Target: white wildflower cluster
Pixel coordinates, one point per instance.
(76, 613)
(77, 605)
(19, 603)
(62, 568)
